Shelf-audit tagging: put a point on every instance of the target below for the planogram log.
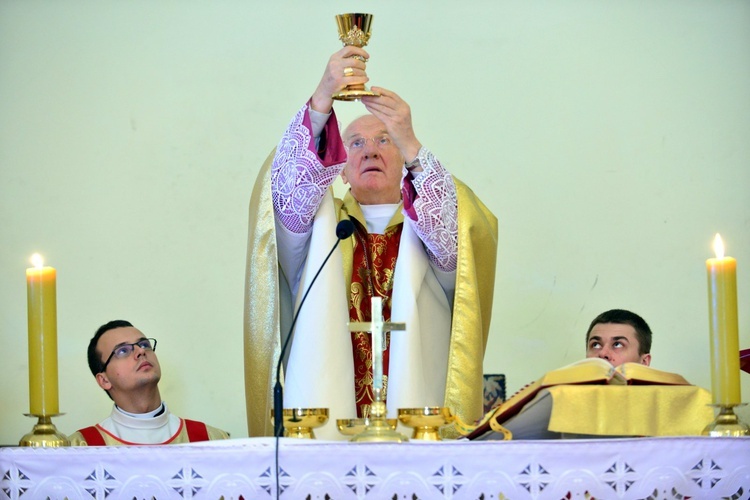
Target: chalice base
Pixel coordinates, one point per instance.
(44, 434)
(726, 423)
(353, 94)
(299, 433)
(427, 433)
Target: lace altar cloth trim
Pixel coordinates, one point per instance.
(640, 468)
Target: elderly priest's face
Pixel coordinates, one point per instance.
(617, 343)
(374, 163)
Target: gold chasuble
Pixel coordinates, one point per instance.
(320, 373)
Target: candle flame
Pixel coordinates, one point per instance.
(718, 247)
(37, 261)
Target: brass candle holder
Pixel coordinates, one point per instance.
(425, 421)
(726, 423)
(354, 29)
(300, 422)
(44, 434)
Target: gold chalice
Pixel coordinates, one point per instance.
(300, 422)
(354, 426)
(354, 29)
(426, 421)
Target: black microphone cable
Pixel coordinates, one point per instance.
(344, 229)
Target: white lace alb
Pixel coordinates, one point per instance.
(299, 181)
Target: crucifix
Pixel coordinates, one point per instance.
(377, 428)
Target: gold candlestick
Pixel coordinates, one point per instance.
(44, 434)
(726, 423)
(41, 292)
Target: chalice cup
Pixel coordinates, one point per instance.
(426, 421)
(354, 29)
(300, 422)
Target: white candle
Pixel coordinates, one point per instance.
(376, 308)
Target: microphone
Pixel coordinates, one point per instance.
(344, 229)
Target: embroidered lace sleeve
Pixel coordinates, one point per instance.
(431, 203)
(302, 171)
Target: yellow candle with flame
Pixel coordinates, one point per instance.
(42, 311)
(722, 315)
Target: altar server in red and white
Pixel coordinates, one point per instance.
(124, 363)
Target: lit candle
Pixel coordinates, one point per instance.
(722, 309)
(376, 309)
(42, 311)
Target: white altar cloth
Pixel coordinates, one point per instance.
(636, 468)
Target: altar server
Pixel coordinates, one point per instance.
(619, 336)
(125, 365)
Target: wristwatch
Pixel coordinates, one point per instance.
(412, 164)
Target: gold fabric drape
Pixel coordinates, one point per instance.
(262, 340)
(630, 410)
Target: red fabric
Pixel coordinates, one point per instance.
(409, 195)
(382, 251)
(92, 436)
(745, 360)
(196, 431)
(331, 149)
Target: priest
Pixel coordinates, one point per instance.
(422, 241)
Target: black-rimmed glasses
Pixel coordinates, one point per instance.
(125, 350)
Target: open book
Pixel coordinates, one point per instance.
(587, 372)
(599, 371)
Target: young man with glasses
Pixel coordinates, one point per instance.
(125, 365)
(412, 221)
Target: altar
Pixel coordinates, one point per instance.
(632, 468)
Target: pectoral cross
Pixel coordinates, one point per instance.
(377, 326)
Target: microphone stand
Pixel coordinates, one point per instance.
(344, 229)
